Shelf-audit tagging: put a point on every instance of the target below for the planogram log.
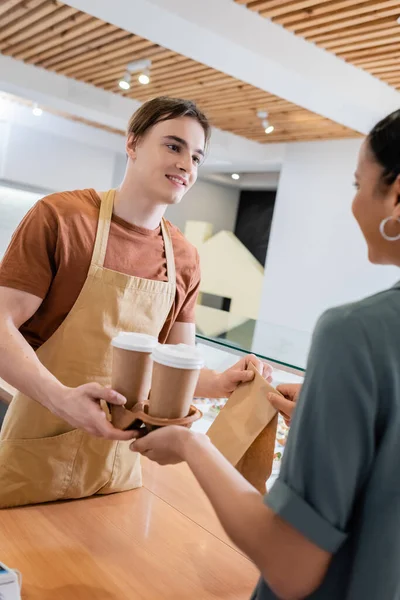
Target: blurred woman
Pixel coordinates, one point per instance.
(330, 526)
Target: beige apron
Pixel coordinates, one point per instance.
(42, 458)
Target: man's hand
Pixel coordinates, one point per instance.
(229, 380)
(286, 405)
(80, 407)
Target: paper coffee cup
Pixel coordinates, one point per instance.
(132, 366)
(176, 372)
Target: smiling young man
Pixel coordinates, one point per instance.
(81, 267)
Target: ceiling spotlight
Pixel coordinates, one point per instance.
(37, 111)
(144, 78)
(235, 176)
(398, 20)
(125, 82)
(142, 67)
(263, 115)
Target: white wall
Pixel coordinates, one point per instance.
(14, 204)
(209, 202)
(317, 257)
(52, 153)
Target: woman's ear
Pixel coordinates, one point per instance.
(130, 146)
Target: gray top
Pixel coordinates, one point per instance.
(339, 483)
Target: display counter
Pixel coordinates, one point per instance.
(160, 542)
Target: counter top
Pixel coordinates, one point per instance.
(160, 542)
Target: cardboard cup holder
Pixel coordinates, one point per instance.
(138, 418)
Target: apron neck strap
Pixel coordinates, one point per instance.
(103, 228)
(169, 252)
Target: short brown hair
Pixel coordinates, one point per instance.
(164, 108)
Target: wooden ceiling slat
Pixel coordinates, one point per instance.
(285, 9)
(188, 90)
(220, 100)
(371, 44)
(237, 98)
(31, 46)
(247, 116)
(77, 41)
(224, 102)
(63, 64)
(359, 24)
(231, 97)
(334, 11)
(281, 6)
(141, 50)
(31, 32)
(259, 4)
(363, 41)
(344, 13)
(280, 125)
(195, 84)
(393, 78)
(34, 15)
(368, 52)
(385, 69)
(110, 75)
(358, 33)
(299, 131)
(382, 62)
(7, 5)
(376, 60)
(19, 10)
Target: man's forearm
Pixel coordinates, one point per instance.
(208, 385)
(21, 368)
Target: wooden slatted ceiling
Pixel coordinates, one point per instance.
(365, 34)
(59, 38)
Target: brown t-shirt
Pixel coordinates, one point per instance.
(50, 253)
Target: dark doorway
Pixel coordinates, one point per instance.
(253, 222)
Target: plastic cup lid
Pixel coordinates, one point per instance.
(139, 342)
(179, 356)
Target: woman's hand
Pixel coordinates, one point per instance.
(286, 405)
(165, 446)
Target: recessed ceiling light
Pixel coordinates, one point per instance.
(269, 129)
(144, 79)
(125, 82)
(37, 111)
(235, 176)
(398, 20)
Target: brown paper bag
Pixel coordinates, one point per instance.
(256, 464)
(245, 430)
